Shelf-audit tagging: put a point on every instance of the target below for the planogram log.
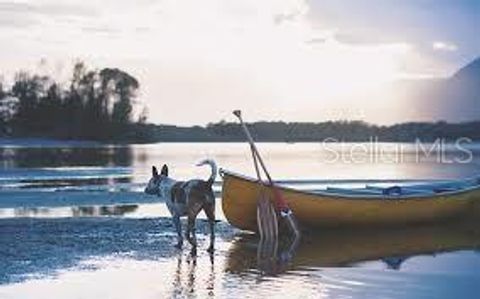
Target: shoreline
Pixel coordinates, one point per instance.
(51, 142)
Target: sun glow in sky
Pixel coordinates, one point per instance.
(277, 59)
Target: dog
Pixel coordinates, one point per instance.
(186, 198)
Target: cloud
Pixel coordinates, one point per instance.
(101, 29)
(444, 46)
(9, 21)
(23, 15)
(317, 40)
(363, 37)
(47, 8)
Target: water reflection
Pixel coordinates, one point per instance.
(119, 210)
(344, 248)
(28, 212)
(128, 210)
(76, 211)
(185, 283)
(33, 157)
(64, 183)
(310, 160)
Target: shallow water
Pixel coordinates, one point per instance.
(74, 223)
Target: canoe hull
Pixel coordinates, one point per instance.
(239, 195)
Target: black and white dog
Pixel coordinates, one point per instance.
(186, 198)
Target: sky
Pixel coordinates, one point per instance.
(292, 60)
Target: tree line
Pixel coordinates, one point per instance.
(98, 105)
(353, 131)
(346, 131)
(93, 105)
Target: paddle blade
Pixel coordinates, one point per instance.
(266, 219)
(237, 113)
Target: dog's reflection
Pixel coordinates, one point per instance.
(187, 276)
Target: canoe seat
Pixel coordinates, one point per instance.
(394, 190)
(446, 189)
(354, 191)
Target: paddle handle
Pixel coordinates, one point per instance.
(238, 114)
(281, 203)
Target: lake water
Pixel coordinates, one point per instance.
(74, 223)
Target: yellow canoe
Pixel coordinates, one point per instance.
(369, 206)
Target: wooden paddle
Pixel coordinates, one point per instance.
(266, 220)
(266, 217)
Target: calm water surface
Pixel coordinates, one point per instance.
(75, 224)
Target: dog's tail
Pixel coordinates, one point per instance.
(213, 166)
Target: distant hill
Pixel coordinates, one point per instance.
(454, 99)
(470, 72)
(348, 131)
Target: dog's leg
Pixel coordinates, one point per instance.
(210, 212)
(190, 234)
(193, 211)
(178, 226)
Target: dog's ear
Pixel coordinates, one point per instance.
(154, 171)
(164, 170)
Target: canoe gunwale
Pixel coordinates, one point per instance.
(356, 197)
